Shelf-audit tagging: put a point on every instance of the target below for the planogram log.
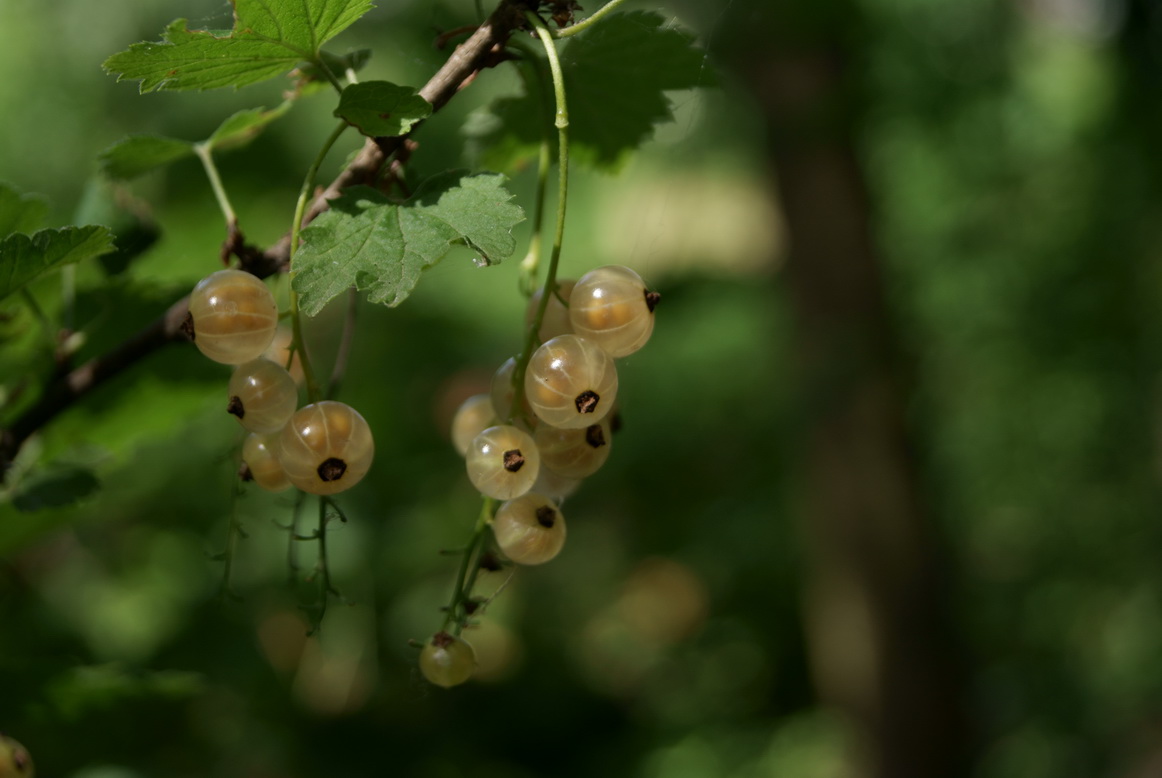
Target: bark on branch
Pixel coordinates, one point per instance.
(483, 49)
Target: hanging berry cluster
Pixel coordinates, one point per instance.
(544, 427)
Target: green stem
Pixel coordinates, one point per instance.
(561, 121)
(206, 155)
(585, 24)
(456, 613)
(532, 261)
(298, 345)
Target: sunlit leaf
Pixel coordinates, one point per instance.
(380, 108)
(23, 258)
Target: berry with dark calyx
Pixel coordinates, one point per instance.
(260, 453)
(574, 453)
(612, 307)
(503, 462)
(472, 417)
(571, 382)
(447, 661)
(15, 761)
(556, 319)
(326, 448)
(530, 530)
(233, 316)
(262, 395)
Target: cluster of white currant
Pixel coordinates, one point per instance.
(14, 759)
(322, 448)
(531, 441)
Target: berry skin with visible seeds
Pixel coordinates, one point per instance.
(503, 462)
(260, 453)
(530, 530)
(571, 382)
(233, 316)
(447, 661)
(262, 395)
(574, 453)
(612, 307)
(472, 417)
(326, 448)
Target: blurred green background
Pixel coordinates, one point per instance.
(1009, 157)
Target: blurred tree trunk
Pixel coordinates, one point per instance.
(877, 624)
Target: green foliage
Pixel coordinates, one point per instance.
(55, 487)
(269, 38)
(367, 241)
(616, 77)
(382, 109)
(23, 258)
(20, 213)
(139, 154)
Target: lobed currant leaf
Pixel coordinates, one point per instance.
(23, 258)
(380, 108)
(20, 212)
(616, 77)
(269, 38)
(369, 242)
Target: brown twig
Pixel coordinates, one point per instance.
(483, 49)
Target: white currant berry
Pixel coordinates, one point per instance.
(571, 382)
(262, 395)
(503, 462)
(555, 486)
(574, 453)
(233, 316)
(14, 759)
(530, 530)
(447, 661)
(612, 307)
(260, 453)
(326, 447)
(503, 393)
(472, 417)
(556, 319)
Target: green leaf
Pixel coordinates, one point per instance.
(269, 38)
(616, 77)
(244, 126)
(55, 487)
(380, 108)
(20, 213)
(369, 242)
(139, 154)
(338, 64)
(23, 258)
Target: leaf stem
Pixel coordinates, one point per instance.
(585, 24)
(561, 120)
(298, 345)
(532, 261)
(207, 157)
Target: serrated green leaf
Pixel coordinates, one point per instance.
(367, 241)
(269, 38)
(23, 258)
(380, 108)
(138, 154)
(244, 126)
(616, 77)
(20, 212)
(55, 488)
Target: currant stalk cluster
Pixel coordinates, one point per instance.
(544, 427)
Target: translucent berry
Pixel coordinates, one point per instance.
(555, 487)
(326, 447)
(14, 759)
(262, 395)
(503, 393)
(233, 316)
(503, 462)
(472, 417)
(447, 661)
(571, 382)
(574, 453)
(556, 319)
(611, 307)
(260, 453)
(530, 530)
